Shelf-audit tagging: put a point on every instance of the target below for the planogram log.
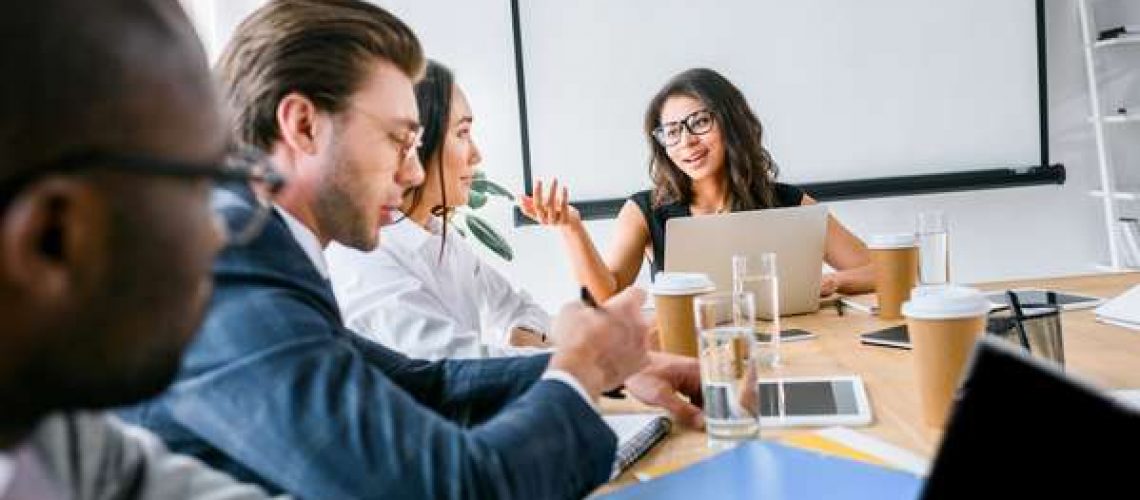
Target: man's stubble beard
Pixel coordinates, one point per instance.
(339, 212)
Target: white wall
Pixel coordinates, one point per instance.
(996, 234)
(473, 38)
(216, 20)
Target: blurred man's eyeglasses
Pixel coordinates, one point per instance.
(411, 143)
(250, 166)
(698, 122)
(246, 165)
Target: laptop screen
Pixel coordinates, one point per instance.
(706, 244)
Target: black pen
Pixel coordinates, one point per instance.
(588, 299)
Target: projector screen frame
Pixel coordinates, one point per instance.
(960, 180)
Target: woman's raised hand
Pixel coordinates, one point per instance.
(550, 207)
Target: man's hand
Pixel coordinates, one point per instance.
(604, 346)
(659, 383)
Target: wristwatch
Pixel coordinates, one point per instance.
(541, 335)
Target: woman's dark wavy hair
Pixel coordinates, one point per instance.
(751, 171)
(433, 98)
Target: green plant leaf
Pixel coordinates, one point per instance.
(490, 187)
(489, 237)
(476, 200)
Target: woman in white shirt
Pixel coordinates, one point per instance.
(423, 291)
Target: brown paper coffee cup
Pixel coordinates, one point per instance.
(896, 271)
(943, 325)
(677, 324)
(673, 295)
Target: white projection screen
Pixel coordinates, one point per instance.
(845, 89)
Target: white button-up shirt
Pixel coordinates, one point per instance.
(409, 297)
(307, 240)
(310, 244)
(6, 472)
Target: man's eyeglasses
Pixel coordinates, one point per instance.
(407, 143)
(698, 122)
(246, 165)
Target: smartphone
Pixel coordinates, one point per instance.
(895, 336)
(789, 335)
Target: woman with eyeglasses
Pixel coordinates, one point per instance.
(423, 291)
(706, 157)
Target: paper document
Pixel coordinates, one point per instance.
(1124, 310)
(1130, 397)
(848, 443)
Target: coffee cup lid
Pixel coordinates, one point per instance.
(667, 283)
(891, 241)
(945, 302)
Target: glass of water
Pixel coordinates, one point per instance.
(728, 351)
(758, 274)
(933, 251)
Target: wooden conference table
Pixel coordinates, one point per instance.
(1108, 356)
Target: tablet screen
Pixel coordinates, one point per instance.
(1041, 297)
(808, 398)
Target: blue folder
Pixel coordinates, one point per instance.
(763, 470)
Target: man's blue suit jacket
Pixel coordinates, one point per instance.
(275, 390)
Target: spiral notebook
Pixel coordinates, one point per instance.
(636, 433)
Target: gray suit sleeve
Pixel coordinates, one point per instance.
(92, 456)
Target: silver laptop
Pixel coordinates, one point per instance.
(706, 244)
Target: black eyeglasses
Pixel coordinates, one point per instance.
(245, 165)
(698, 122)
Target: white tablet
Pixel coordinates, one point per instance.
(1065, 300)
(814, 401)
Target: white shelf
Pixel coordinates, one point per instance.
(1101, 267)
(1112, 118)
(1126, 195)
(1125, 118)
(1099, 121)
(1121, 40)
